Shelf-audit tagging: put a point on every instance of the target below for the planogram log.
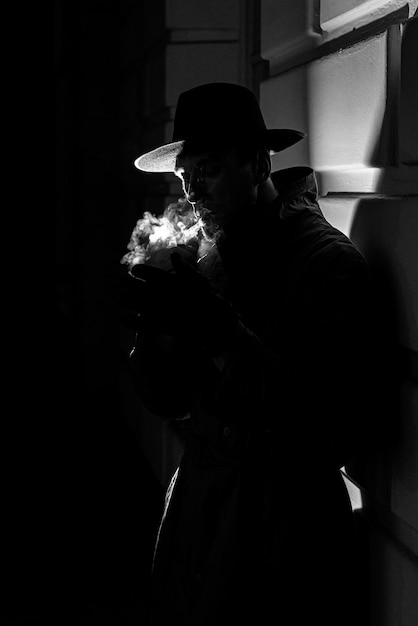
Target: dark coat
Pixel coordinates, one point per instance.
(258, 523)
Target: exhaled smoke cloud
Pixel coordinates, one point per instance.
(179, 225)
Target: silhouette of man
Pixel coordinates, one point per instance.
(257, 344)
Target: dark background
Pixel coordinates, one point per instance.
(81, 504)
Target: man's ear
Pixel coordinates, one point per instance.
(262, 166)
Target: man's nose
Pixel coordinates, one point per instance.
(196, 187)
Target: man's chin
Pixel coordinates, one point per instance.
(212, 217)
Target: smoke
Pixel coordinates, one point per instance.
(179, 225)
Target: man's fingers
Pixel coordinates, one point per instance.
(147, 272)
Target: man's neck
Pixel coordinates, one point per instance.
(267, 193)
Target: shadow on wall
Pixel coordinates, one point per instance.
(385, 229)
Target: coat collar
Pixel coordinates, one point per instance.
(298, 190)
(294, 181)
(297, 195)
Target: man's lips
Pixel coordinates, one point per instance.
(209, 206)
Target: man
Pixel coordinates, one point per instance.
(263, 347)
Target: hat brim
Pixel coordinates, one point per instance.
(163, 159)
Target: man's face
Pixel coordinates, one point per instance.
(218, 184)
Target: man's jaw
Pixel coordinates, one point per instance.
(211, 213)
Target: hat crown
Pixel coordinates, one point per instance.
(217, 112)
(216, 115)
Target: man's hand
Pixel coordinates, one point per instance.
(181, 303)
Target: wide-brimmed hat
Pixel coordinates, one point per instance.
(216, 115)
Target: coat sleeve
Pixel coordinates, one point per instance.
(317, 394)
(169, 374)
